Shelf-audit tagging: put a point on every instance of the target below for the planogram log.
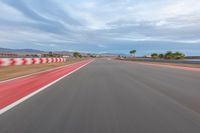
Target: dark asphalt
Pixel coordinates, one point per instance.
(112, 97)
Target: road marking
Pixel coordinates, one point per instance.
(39, 72)
(5, 109)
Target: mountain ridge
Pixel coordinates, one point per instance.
(20, 50)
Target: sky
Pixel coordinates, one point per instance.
(101, 26)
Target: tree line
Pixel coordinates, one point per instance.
(168, 55)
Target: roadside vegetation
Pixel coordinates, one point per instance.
(168, 55)
(133, 52)
(77, 55)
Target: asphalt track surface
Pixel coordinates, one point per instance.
(112, 97)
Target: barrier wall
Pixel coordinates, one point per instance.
(28, 61)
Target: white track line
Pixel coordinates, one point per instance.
(39, 72)
(37, 91)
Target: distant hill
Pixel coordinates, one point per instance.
(20, 50)
(34, 51)
(112, 54)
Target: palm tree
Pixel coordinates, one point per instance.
(132, 52)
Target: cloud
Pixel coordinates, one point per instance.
(98, 24)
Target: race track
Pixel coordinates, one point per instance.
(109, 96)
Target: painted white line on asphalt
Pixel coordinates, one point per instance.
(37, 91)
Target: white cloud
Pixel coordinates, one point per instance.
(89, 5)
(91, 21)
(10, 13)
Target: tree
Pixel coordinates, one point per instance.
(154, 55)
(169, 55)
(161, 56)
(77, 55)
(50, 54)
(132, 52)
(27, 55)
(176, 55)
(179, 55)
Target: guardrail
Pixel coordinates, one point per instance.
(28, 61)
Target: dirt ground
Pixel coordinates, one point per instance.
(10, 72)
